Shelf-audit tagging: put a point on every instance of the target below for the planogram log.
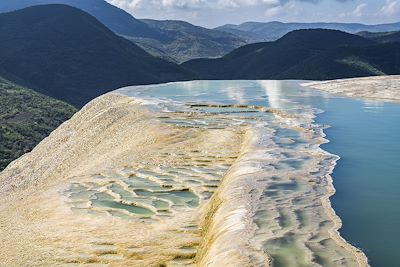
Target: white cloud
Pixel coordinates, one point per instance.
(195, 4)
(211, 13)
(289, 8)
(357, 12)
(391, 7)
(127, 4)
(185, 4)
(246, 3)
(273, 11)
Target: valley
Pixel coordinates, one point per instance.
(142, 133)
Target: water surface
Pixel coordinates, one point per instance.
(365, 135)
(362, 133)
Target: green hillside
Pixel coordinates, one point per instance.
(382, 37)
(175, 41)
(26, 117)
(118, 20)
(348, 62)
(71, 56)
(186, 41)
(271, 60)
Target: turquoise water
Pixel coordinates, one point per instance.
(367, 178)
(362, 133)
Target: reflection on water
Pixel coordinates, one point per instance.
(273, 89)
(285, 95)
(373, 106)
(236, 94)
(363, 133)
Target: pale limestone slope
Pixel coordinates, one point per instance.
(118, 185)
(385, 88)
(111, 137)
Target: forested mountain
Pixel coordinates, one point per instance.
(186, 41)
(304, 54)
(26, 117)
(176, 41)
(113, 17)
(382, 37)
(65, 53)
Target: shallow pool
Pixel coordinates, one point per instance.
(363, 133)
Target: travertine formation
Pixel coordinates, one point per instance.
(208, 185)
(114, 186)
(384, 88)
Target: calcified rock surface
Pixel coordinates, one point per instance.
(380, 87)
(112, 187)
(118, 185)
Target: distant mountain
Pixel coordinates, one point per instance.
(118, 20)
(26, 117)
(172, 40)
(65, 53)
(271, 60)
(271, 31)
(381, 37)
(186, 41)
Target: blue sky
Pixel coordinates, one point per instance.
(211, 13)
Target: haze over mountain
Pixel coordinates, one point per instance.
(304, 54)
(65, 53)
(271, 31)
(186, 41)
(179, 41)
(173, 40)
(113, 17)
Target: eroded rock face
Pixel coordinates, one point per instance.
(120, 185)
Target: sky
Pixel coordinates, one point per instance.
(213, 13)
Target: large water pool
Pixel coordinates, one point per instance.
(363, 133)
(367, 178)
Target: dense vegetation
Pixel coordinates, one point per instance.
(382, 37)
(304, 54)
(63, 52)
(71, 56)
(185, 41)
(176, 41)
(179, 41)
(26, 117)
(114, 18)
(348, 62)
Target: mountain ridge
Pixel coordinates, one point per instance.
(118, 20)
(72, 56)
(382, 37)
(303, 54)
(176, 41)
(186, 41)
(271, 31)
